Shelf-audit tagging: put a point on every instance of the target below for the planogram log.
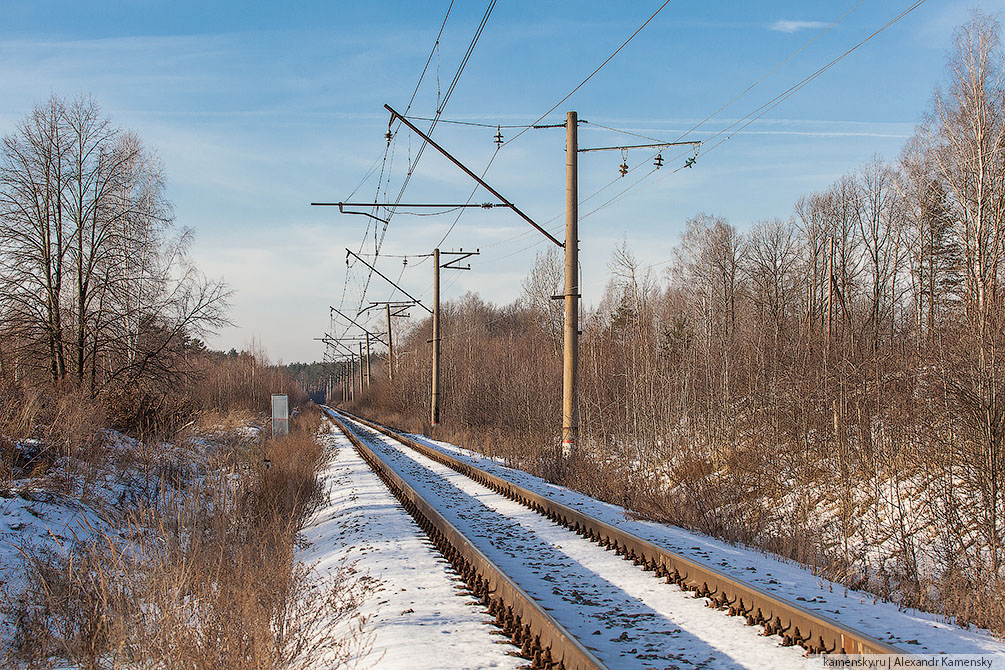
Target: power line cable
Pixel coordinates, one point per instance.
(591, 75)
(710, 116)
(439, 111)
(759, 112)
(769, 73)
(780, 98)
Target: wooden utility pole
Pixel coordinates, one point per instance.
(434, 398)
(390, 345)
(570, 407)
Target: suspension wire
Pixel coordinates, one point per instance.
(770, 72)
(625, 132)
(475, 123)
(590, 76)
(439, 111)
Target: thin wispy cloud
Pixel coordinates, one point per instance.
(788, 26)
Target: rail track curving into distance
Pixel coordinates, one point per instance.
(529, 623)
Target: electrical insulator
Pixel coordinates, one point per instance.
(623, 169)
(499, 137)
(387, 136)
(659, 161)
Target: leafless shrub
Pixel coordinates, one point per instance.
(203, 577)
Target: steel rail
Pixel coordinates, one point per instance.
(795, 624)
(540, 637)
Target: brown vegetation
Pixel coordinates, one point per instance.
(203, 576)
(101, 312)
(827, 386)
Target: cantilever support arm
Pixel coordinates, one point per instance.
(471, 174)
(328, 339)
(353, 321)
(387, 279)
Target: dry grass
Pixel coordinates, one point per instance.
(204, 577)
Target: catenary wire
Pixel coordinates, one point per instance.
(439, 111)
(591, 75)
(769, 73)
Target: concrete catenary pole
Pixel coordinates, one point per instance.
(390, 345)
(360, 376)
(351, 377)
(434, 402)
(368, 359)
(570, 406)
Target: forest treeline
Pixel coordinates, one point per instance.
(827, 385)
(102, 320)
(102, 311)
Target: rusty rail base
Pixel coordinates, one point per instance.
(816, 633)
(541, 639)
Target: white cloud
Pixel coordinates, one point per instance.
(787, 26)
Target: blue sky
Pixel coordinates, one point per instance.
(257, 109)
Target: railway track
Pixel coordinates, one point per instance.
(543, 640)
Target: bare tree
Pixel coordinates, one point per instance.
(35, 232)
(771, 266)
(543, 282)
(877, 214)
(88, 268)
(966, 139)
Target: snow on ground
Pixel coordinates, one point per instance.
(72, 501)
(628, 617)
(50, 512)
(915, 632)
(419, 614)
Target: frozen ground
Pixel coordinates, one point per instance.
(75, 501)
(48, 514)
